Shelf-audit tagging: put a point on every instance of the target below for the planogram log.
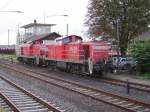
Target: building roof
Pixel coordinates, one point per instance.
(48, 36)
(37, 24)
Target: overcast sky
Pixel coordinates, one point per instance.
(34, 9)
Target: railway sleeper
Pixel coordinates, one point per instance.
(32, 107)
(24, 103)
(27, 104)
(37, 110)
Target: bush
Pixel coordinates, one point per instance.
(2, 110)
(141, 53)
(147, 75)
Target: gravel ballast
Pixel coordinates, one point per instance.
(97, 83)
(66, 100)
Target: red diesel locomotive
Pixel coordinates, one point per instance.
(50, 49)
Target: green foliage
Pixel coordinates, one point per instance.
(8, 56)
(147, 75)
(141, 52)
(133, 16)
(2, 110)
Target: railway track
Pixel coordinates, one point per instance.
(132, 85)
(130, 105)
(14, 98)
(4, 106)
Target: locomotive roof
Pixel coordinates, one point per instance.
(49, 36)
(102, 42)
(61, 38)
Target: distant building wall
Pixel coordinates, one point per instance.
(144, 36)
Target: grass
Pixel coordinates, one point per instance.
(2, 110)
(7, 56)
(147, 75)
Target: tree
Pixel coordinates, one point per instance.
(130, 17)
(141, 52)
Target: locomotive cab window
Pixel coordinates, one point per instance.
(66, 40)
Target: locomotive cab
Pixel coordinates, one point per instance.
(86, 52)
(88, 59)
(95, 53)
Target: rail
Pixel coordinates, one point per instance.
(20, 99)
(131, 105)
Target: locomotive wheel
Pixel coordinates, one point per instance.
(75, 68)
(69, 68)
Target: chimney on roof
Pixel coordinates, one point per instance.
(35, 21)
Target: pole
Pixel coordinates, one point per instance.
(44, 17)
(118, 39)
(67, 29)
(64, 15)
(8, 37)
(50, 29)
(128, 87)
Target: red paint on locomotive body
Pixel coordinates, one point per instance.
(36, 49)
(97, 50)
(51, 51)
(74, 51)
(59, 51)
(26, 50)
(69, 48)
